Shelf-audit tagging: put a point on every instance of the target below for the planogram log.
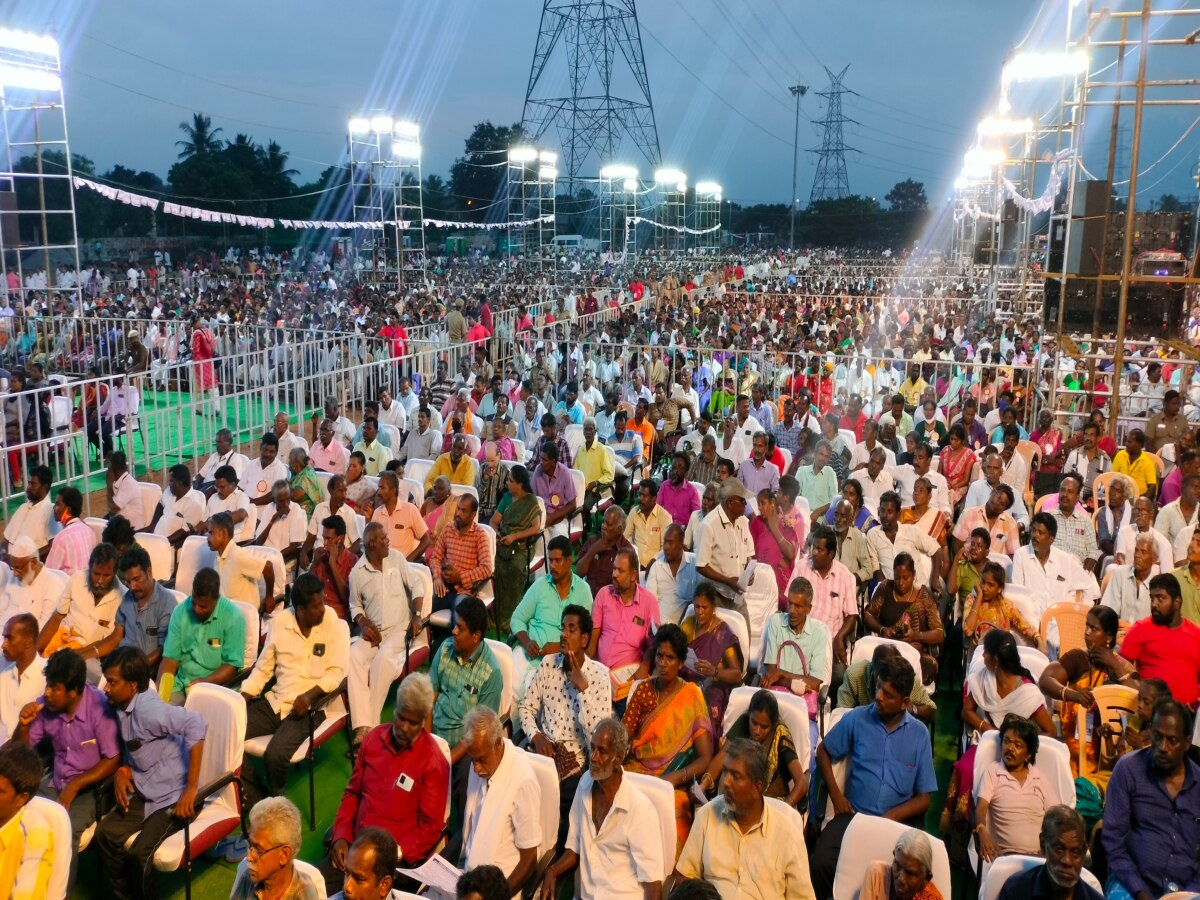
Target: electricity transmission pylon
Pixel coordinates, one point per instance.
(831, 181)
(591, 37)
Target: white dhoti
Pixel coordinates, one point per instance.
(371, 673)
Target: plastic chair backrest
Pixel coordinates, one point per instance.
(1100, 488)
(792, 710)
(460, 489)
(662, 798)
(224, 744)
(547, 778)
(417, 469)
(1115, 705)
(574, 438)
(162, 554)
(253, 632)
(1005, 867)
(1026, 603)
(504, 656)
(275, 558)
(865, 646)
(871, 839)
(97, 525)
(194, 555)
(1072, 620)
(323, 480)
(393, 434)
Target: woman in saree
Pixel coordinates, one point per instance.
(717, 666)
(204, 346)
(670, 734)
(852, 491)
(903, 610)
(955, 462)
(438, 510)
(1072, 678)
(306, 489)
(515, 522)
(928, 518)
(909, 875)
(1054, 453)
(998, 684)
(761, 723)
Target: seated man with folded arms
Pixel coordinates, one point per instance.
(891, 766)
(85, 614)
(181, 509)
(76, 722)
(567, 697)
(206, 641)
(306, 655)
(606, 839)
(400, 783)
(502, 822)
(155, 786)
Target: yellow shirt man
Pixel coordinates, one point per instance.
(1142, 470)
(26, 856)
(646, 532)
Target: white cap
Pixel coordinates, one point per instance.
(23, 548)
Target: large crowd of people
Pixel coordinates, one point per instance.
(704, 547)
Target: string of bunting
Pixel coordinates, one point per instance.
(208, 215)
(638, 220)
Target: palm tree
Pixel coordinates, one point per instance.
(275, 170)
(201, 137)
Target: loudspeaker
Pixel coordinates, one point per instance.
(1085, 247)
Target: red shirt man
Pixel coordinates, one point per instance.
(1166, 645)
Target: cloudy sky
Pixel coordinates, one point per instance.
(924, 71)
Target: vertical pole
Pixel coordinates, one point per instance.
(1131, 205)
(798, 91)
(1112, 163)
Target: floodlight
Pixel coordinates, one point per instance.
(614, 172)
(522, 154)
(359, 125)
(406, 149)
(549, 157)
(28, 42)
(999, 126)
(982, 157)
(670, 176)
(629, 184)
(406, 129)
(381, 124)
(547, 173)
(1028, 66)
(30, 78)
(707, 189)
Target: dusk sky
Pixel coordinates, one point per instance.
(925, 72)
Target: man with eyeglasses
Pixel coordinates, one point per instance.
(269, 869)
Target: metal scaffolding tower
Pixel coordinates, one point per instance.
(590, 36)
(530, 202)
(38, 236)
(618, 204)
(831, 181)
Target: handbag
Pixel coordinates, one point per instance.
(810, 697)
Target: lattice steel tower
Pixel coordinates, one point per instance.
(831, 181)
(594, 119)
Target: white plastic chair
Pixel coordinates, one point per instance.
(1005, 562)
(194, 555)
(162, 554)
(1005, 867)
(417, 469)
(787, 459)
(1026, 603)
(865, 646)
(762, 601)
(253, 632)
(841, 767)
(459, 489)
(97, 524)
(151, 497)
(504, 656)
(871, 839)
(574, 438)
(273, 556)
(662, 798)
(1031, 658)
(416, 490)
(548, 787)
(219, 801)
(393, 435)
(323, 480)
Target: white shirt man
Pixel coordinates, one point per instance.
(289, 657)
(727, 547)
(241, 575)
(127, 498)
(394, 414)
(910, 539)
(42, 593)
(906, 476)
(860, 455)
(386, 596)
(19, 687)
(1061, 578)
(503, 813)
(347, 514)
(256, 480)
(31, 520)
(665, 585)
(208, 471)
(619, 857)
(291, 530)
(1127, 594)
(237, 500)
(184, 512)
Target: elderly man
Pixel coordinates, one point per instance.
(225, 455)
(156, 785)
(922, 467)
(400, 783)
(625, 616)
(1076, 534)
(818, 482)
(552, 482)
(85, 614)
(744, 843)
(502, 818)
(124, 492)
(455, 465)
(283, 525)
(1144, 511)
(672, 576)
(181, 509)
(605, 839)
(875, 481)
(263, 471)
(80, 727)
(726, 551)
(994, 518)
(32, 519)
(1064, 847)
(567, 697)
(280, 427)
(327, 453)
(1128, 590)
(599, 554)
(306, 657)
(981, 490)
(854, 550)
(461, 561)
(206, 640)
(273, 844)
(386, 599)
(798, 649)
(891, 766)
(1152, 812)
(70, 548)
(704, 468)
(228, 497)
(31, 588)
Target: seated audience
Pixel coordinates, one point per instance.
(1166, 645)
(406, 530)
(283, 526)
(29, 845)
(71, 547)
(1014, 794)
(625, 616)
(718, 655)
(1064, 845)
(858, 685)
(263, 471)
(85, 616)
(273, 843)
(903, 610)
(206, 641)
(32, 519)
(787, 774)
(647, 522)
(672, 575)
(460, 560)
(598, 556)
(228, 497)
(909, 876)
(370, 867)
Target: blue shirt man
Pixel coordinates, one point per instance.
(145, 626)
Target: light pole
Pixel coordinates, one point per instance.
(798, 91)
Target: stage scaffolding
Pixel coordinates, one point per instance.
(706, 217)
(38, 234)
(618, 204)
(670, 211)
(532, 178)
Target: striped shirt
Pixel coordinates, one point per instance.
(71, 547)
(469, 552)
(461, 685)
